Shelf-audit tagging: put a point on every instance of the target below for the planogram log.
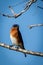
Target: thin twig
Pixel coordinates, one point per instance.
(35, 25)
(15, 15)
(21, 50)
(40, 7)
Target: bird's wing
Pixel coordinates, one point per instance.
(20, 37)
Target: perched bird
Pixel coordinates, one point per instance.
(16, 37)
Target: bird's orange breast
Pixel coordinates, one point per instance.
(14, 33)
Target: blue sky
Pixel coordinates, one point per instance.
(33, 39)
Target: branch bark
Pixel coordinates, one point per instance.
(15, 15)
(21, 50)
(35, 25)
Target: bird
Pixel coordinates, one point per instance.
(16, 37)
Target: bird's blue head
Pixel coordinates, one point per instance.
(16, 25)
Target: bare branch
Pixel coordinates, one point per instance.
(15, 15)
(35, 25)
(6, 15)
(21, 50)
(40, 7)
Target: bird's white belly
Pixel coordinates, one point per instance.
(13, 40)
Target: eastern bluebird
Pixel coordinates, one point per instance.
(16, 37)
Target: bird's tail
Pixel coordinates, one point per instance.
(25, 55)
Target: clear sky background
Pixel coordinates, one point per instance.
(33, 39)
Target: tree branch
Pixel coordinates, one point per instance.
(35, 25)
(40, 7)
(15, 15)
(21, 50)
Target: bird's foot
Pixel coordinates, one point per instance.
(17, 47)
(11, 45)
